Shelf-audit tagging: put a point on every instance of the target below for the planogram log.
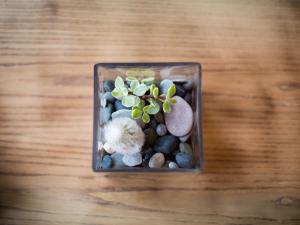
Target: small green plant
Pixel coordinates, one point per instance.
(143, 97)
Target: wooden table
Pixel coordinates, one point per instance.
(250, 55)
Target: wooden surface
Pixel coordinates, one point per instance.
(250, 55)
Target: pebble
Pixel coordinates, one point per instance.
(153, 123)
(107, 162)
(108, 85)
(159, 117)
(119, 106)
(188, 98)
(157, 160)
(126, 113)
(173, 165)
(185, 138)
(161, 129)
(186, 148)
(180, 91)
(108, 97)
(132, 159)
(180, 120)
(117, 159)
(166, 144)
(151, 136)
(165, 85)
(184, 160)
(147, 156)
(106, 114)
(188, 85)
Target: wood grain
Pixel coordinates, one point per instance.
(250, 55)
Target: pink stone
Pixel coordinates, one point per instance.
(179, 121)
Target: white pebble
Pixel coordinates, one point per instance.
(173, 165)
(132, 159)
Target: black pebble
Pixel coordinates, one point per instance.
(188, 98)
(166, 144)
(180, 91)
(108, 85)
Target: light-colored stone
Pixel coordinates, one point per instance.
(132, 159)
(173, 165)
(180, 120)
(157, 160)
(185, 138)
(126, 113)
(186, 148)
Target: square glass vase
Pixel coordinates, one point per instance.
(179, 73)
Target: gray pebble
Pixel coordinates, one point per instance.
(161, 129)
(157, 160)
(188, 85)
(105, 114)
(132, 159)
(117, 160)
(106, 162)
(184, 160)
(108, 97)
(173, 165)
(119, 105)
(186, 148)
(165, 85)
(108, 85)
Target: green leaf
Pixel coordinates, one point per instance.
(117, 94)
(136, 113)
(141, 104)
(136, 101)
(140, 90)
(166, 107)
(172, 101)
(119, 83)
(151, 88)
(155, 92)
(148, 80)
(152, 110)
(171, 90)
(146, 118)
(128, 101)
(131, 78)
(134, 84)
(124, 91)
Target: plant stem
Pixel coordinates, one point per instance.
(151, 96)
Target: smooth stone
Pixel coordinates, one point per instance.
(157, 160)
(188, 85)
(184, 160)
(132, 159)
(108, 97)
(146, 157)
(173, 165)
(153, 123)
(126, 113)
(117, 160)
(188, 98)
(166, 144)
(186, 148)
(159, 117)
(108, 85)
(151, 136)
(106, 113)
(165, 85)
(119, 106)
(180, 91)
(180, 120)
(107, 162)
(185, 138)
(161, 129)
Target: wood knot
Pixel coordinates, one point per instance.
(287, 201)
